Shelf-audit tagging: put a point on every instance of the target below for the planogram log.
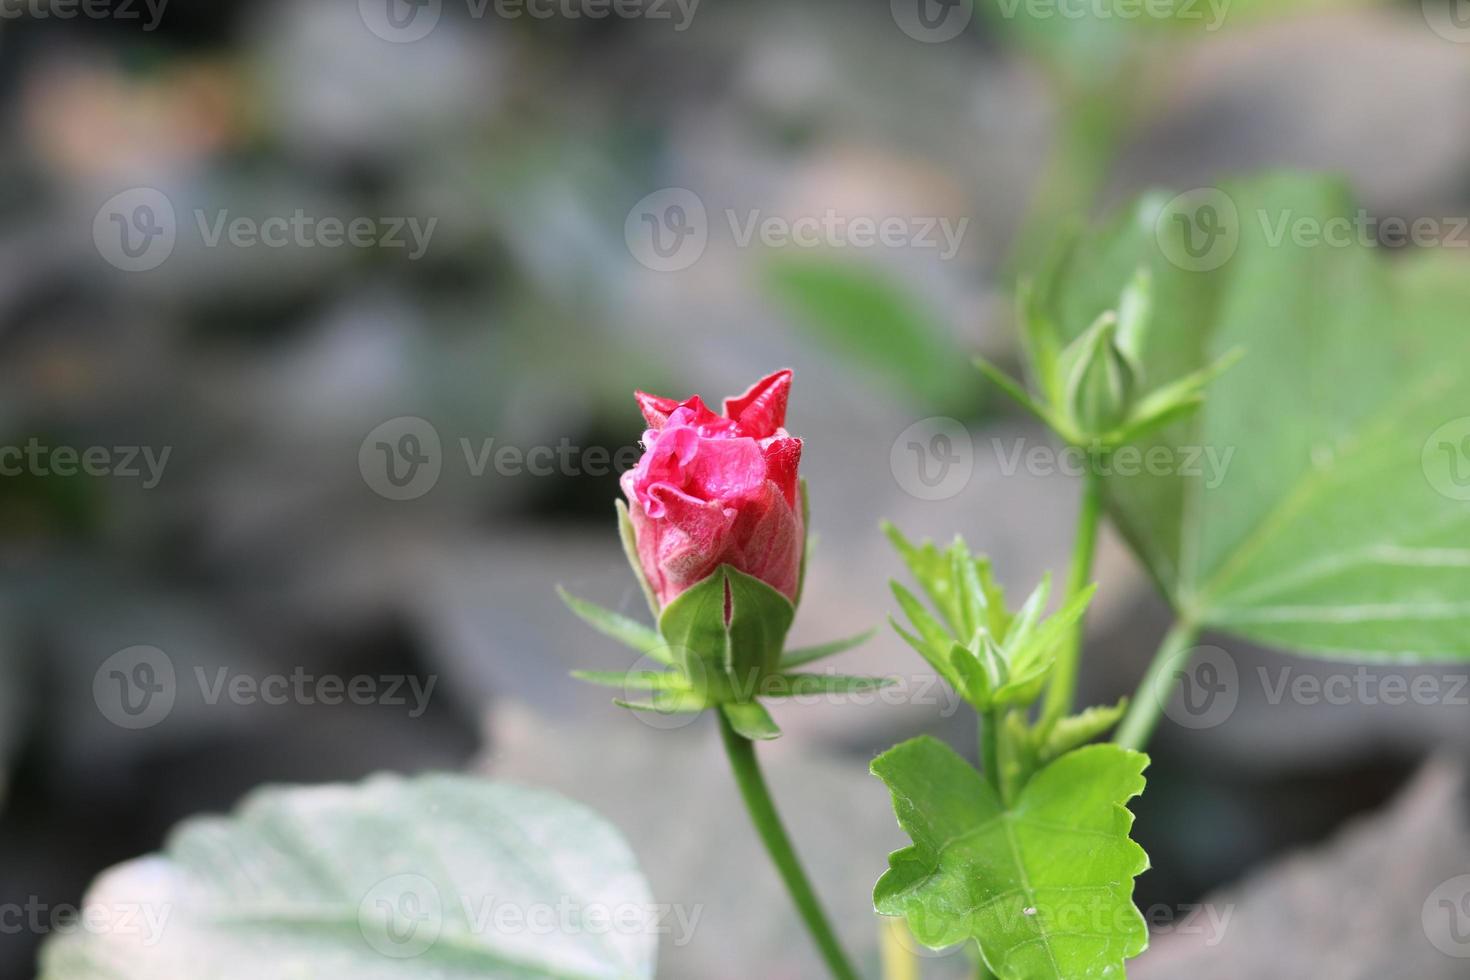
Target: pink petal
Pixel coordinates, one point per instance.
(656, 410)
(762, 409)
(783, 457)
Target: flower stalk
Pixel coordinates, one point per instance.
(757, 797)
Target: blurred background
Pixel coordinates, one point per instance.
(319, 323)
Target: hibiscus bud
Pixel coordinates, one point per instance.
(712, 490)
(1101, 381)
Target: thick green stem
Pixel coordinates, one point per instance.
(768, 824)
(1063, 686)
(1148, 701)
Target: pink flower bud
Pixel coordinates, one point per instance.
(718, 489)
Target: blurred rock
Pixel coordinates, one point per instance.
(1389, 896)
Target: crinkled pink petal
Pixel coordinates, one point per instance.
(761, 410)
(715, 489)
(688, 543)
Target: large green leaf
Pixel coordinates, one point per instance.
(1045, 885)
(1302, 507)
(440, 876)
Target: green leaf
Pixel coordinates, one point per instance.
(805, 655)
(934, 571)
(750, 720)
(626, 631)
(1074, 730)
(1315, 501)
(384, 880)
(1045, 885)
(879, 324)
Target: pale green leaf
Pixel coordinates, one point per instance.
(391, 879)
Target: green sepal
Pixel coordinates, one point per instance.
(634, 680)
(626, 631)
(802, 685)
(630, 551)
(1100, 380)
(668, 703)
(750, 720)
(1022, 397)
(728, 662)
(805, 655)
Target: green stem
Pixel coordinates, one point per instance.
(990, 751)
(1063, 686)
(1148, 700)
(768, 824)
